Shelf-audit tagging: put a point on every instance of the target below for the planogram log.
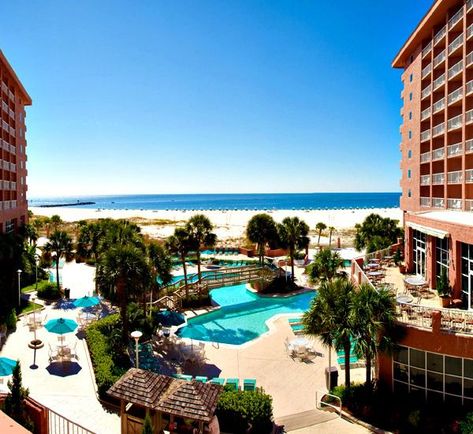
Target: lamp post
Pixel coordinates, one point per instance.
(136, 335)
(36, 259)
(19, 286)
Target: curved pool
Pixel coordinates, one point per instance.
(242, 316)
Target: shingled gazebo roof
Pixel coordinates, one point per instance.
(187, 399)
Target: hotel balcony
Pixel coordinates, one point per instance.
(425, 135)
(425, 157)
(440, 58)
(455, 177)
(438, 202)
(428, 90)
(455, 123)
(469, 59)
(425, 201)
(5, 107)
(439, 105)
(438, 154)
(469, 117)
(455, 44)
(468, 205)
(454, 150)
(455, 204)
(469, 31)
(469, 146)
(439, 36)
(438, 179)
(469, 87)
(425, 114)
(452, 22)
(426, 71)
(425, 180)
(454, 70)
(469, 176)
(438, 129)
(455, 96)
(441, 80)
(427, 49)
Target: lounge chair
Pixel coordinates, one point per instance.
(233, 383)
(183, 377)
(297, 328)
(201, 379)
(249, 384)
(216, 380)
(295, 321)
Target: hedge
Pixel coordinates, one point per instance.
(48, 291)
(236, 410)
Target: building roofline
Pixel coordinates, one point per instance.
(25, 94)
(423, 30)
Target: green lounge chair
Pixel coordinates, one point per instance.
(295, 320)
(297, 328)
(249, 384)
(233, 383)
(219, 381)
(200, 379)
(183, 377)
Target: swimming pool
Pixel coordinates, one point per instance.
(242, 316)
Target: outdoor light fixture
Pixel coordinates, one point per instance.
(136, 335)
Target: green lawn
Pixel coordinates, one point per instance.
(27, 308)
(31, 288)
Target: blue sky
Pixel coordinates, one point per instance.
(204, 96)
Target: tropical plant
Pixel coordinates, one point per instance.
(200, 229)
(377, 233)
(31, 234)
(325, 267)
(88, 242)
(125, 270)
(181, 243)
(373, 316)
(262, 230)
(147, 425)
(331, 229)
(161, 266)
(15, 400)
(443, 285)
(293, 236)
(11, 250)
(320, 227)
(59, 245)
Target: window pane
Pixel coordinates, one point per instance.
(418, 394)
(453, 401)
(468, 368)
(434, 397)
(453, 365)
(434, 362)
(468, 388)
(417, 358)
(435, 381)
(400, 355)
(400, 388)
(400, 372)
(453, 385)
(418, 377)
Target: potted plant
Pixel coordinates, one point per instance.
(443, 288)
(398, 261)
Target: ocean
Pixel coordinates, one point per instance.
(276, 201)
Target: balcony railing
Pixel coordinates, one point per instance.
(439, 105)
(454, 204)
(469, 59)
(427, 70)
(455, 96)
(428, 90)
(438, 154)
(438, 129)
(439, 36)
(457, 42)
(425, 135)
(438, 202)
(468, 205)
(440, 58)
(438, 179)
(469, 87)
(425, 180)
(455, 123)
(469, 176)
(469, 31)
(425, 114)
(425, 157)
(455, 177)
(469, 145)
(441, 80)
(427, 49)
(425, 201)
(454, 150)
(455, 69)
(452, 22)
(469, 117)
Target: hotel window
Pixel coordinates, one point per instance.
(410, 96)
(410, 134)
(410, 116)
(409, 193)
(409, 154)
(411, 77)
(467, 275)
(409, 173)
(441, 255)
(433, 376)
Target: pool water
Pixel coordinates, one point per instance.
(242, 316)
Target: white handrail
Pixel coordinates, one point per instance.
(319, 403)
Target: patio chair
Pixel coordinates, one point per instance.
(233, 383)
(217, 380)
(74, 351)
(249, 384)
(184, 377)
(201, 379)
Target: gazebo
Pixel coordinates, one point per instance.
(169, 401)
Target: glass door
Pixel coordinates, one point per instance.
(418, 250)
(467, 275)
(420, 262)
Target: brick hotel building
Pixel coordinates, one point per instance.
(13, 99)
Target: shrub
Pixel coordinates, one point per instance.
(48, 291)
(235, 410)
(11, 320)
(194, 301)
(466, 425)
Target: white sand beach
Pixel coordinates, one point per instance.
(229, 224)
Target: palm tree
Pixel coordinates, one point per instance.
(31, 234)
(125, 269)
(373, 315)
(88, 243)
(181, 243)
(262, 230)
(320, 227)
(331, 229)
(161, 265)
(200, 229)
(326, 266)
(293, 235)
(376, 233)
(59, 245)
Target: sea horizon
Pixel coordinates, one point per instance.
(227, 201)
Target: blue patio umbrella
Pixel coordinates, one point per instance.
(61, 326)
(170, 318)
(86, 301)
(6, 366)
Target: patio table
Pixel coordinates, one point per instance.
(404, 298)
(415, 281)
(375, 273)
(300, 342)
